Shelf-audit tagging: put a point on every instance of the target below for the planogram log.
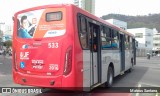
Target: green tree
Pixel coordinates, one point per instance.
(148, 21)
(8, 43)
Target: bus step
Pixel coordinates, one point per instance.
(96, 85)
(122, 73)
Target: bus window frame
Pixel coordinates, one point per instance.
(107, 29)
(88, 20)
(117, 39)
(127, 45)
(79, 30)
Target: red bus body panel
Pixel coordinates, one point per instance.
(37, 50)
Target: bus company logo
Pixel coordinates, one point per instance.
(22, 65)
(52, 32)
(24, 55)
(25, 46)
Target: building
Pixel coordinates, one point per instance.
(144, 36)
(118, 23)
(156, 43)
(6, 32)
(79, 3)
(88, 5)
(2, 28)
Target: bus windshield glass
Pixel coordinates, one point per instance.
(49, 22)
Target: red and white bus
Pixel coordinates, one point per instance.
(62, 46)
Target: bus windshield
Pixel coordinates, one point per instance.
(41, 23)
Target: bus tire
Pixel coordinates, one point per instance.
(129, 70)
(109, 77)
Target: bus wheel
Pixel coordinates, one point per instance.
(129, 70)
(109, 77)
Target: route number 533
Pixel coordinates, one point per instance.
(53, 45)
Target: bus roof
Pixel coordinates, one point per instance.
(81, 11)
(103, 21)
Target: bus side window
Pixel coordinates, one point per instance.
(115, 42)
(106, 38)
(126, 42)
(130, 43)
(94, 40)
(83, 32)
(92, 37)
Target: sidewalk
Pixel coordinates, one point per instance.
(152, 57)
(7, 56)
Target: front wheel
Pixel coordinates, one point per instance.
(109, 77)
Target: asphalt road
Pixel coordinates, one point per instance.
(144, 74)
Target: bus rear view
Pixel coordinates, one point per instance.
(42, 49)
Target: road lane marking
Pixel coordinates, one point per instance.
(139, 85)
(2, 75)
(149, 84)
(149, 66)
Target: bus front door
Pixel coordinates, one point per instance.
(134, 50)
(94, 53)
(122, 51)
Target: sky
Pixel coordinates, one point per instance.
(102, 7)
